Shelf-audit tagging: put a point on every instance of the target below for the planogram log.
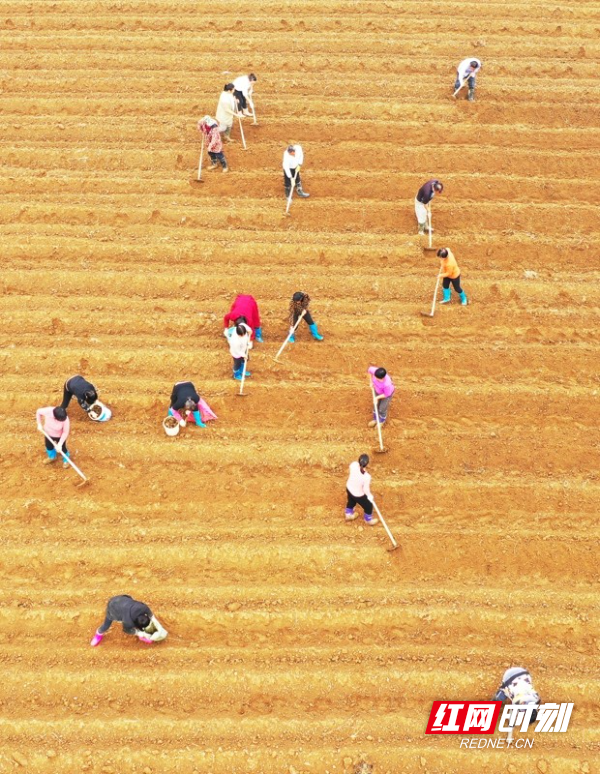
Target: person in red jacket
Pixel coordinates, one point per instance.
(245, 310)
(214, 142)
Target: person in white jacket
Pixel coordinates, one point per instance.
(240, 345)
(467, 71)
(243, 90)
(226, 111)
(293, 158)
(517, 688)
(358, 491)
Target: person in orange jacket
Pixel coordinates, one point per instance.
(450, 274)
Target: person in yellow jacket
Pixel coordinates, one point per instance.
(450, 274)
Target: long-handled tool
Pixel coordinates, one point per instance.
(466, 80)
(289, 201)
(291, 333)
(241, 393)
(199, 178)
(67, 459)
(382, 449)
(435, 292)
(385, 526)
(239, 115)
(430, 248)
(254, 121)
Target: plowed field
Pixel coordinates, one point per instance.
(297, 643)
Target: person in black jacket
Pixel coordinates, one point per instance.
(184, 396)
(423, 201)
(136, 617)
(300, 303)
(80, 388)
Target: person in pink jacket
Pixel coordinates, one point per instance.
(55, 423)
(214, 143)
(384, 389)
(245, 310)
(358, 491)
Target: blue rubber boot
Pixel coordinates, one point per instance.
(292, 339)
(237, 374)
(51, 455)
(463, 298)
(447, 293)
(259, 336)
(198, 419)
(315, 332)
(65, 463)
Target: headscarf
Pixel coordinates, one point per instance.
(297, 306)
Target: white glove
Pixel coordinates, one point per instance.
(182, 423)
(39, 427)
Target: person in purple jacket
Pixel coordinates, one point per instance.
(384, 389)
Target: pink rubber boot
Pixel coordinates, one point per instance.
(96, 639)
(147, 640)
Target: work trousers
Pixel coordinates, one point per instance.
(243, 102)
(363, 501)
(50, 447)
(455, 283)
(287, 181)
(307, 318)
(67, 395)
(470, 83)
(382, 408)
(215, 158)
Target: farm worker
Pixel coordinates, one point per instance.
(358, 490)
(243, 91)
(517, 688)
(136, 617)
(384, 389)
(240, 344)
(184, 396)
(245, 310)
(55, 423)
(226, 110)
(210, 128)
(450, 273)
(293, 158)
(300, 303)
(84, 391)
(423, 202)
(467, 69)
